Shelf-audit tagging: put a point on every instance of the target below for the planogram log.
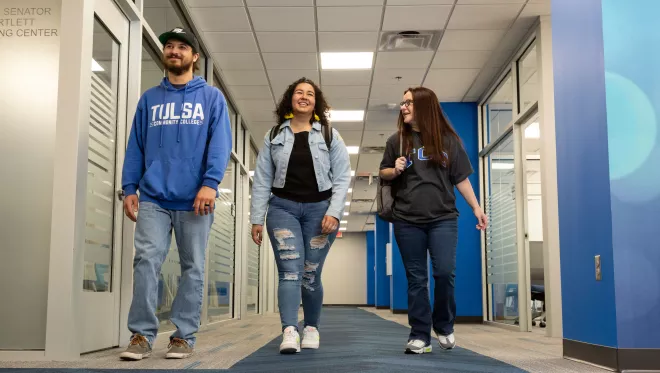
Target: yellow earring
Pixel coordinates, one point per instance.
(316, 117)
(289, 116)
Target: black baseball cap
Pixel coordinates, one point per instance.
(180, 34)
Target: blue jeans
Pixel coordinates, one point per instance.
(300, 250)
(153, 235)
(440, 239)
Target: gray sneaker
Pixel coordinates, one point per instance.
(179, 349)
(418, 347)
(138, 349)
(447, 342)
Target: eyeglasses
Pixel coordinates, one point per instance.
(406, 103)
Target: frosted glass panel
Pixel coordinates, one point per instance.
(254, 258)
(100, 198)
(222, 250)
(528, 80)
(501, 248)
(497, 111)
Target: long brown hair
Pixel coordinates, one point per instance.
(432, 123)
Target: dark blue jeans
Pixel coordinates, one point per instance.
(440, 239)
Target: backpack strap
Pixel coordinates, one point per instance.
(274, 131)
(327, 135)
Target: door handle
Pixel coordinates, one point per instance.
(120, 195)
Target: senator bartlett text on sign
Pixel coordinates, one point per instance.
(25, 23)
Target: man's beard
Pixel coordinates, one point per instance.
(178, 69)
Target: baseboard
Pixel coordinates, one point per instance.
(382, 307)
(617, 359)
(469, 320)
(400, 312)
(346, 305)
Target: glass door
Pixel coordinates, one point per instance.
(501, 234)
(103, 208)
(253, 263)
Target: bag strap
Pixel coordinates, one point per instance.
(327, 135)
(400, 144)
(274, 131)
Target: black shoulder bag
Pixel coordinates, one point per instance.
(385, 192)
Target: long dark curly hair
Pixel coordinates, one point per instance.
(321, 108)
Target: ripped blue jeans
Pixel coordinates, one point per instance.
(300, 250)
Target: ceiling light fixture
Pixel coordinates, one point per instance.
(346, 115)
(350, 190)
(353, 149)
(348, 203)
(347, 60)
(347, 213)
(501, 166)
(352, 173)
(223, 190)
(342, 229)
(344, 222)
(533, 131)
(251, 173)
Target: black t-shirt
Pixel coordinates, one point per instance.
(424, 192)
(300, 184)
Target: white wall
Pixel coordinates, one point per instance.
(345, 271)
(28, 107)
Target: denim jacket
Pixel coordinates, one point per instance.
(332, 167)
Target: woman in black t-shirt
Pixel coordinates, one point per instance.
(425, 214)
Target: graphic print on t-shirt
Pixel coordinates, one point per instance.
(419, 152)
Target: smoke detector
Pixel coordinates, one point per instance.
(409, 41)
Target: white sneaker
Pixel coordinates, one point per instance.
(447, 342)
(418, 347)
(311, 338)
(290, 341)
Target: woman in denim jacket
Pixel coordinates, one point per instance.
(309, 180)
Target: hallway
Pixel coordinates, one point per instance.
(353, 340)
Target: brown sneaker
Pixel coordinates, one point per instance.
(138, 349)
(179, 349)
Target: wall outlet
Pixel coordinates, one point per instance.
(599, 273)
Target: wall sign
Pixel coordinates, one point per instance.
(28, 22)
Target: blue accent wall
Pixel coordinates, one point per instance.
(382, 282)
(371, 270)
(398, 281)
(632, 82)
(463, 116)
(585, 218)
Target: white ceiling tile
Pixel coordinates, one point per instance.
(533, 10)
(238, 61)
(500, 57)
(221, 19)
(283, 42)
(259, 129)
(349, 18)
(430, 17)
(287, 61)
(383, 104)
(280, 2)
(258, 115)
(231, 42)
(213, 3)
(513, 38)
(281, 79)
(382, 120)
(375, 138)
(354, 161)
(407, 60)
(348, 104)
(351, 138)
(240, 92)
(487, 2)
(336, 77)
(157, 3)
(348, 41)
(369, 163)
(411, 77)
(460, 59)
(381, 126)
(261, 105)
(421, 2)
(244, 77)
(450, 82)
(332, 92)
(349, 2)
(470, 40)
(483, 17)
(275, 18)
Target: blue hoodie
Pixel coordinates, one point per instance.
(180, 141)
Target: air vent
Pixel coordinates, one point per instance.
(372, 150)
(409, 41)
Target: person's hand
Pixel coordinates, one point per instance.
(482, 219)
(205, 201)
(400, 165)
(329, 224)
(131, 206)
(257, 231)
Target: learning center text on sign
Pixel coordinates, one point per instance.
(24, 23)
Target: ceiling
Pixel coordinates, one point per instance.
(261, 46)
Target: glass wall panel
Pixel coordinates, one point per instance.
(162, 16)
(498, 110)
(240, 151)
(151, 68)
(501, 247)
(232, 113)
(222, 250)
(254, 259)
(253, 159)
(527, 79)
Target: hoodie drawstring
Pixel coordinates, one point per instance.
(178, 133)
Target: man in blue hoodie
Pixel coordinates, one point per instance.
(177, 153)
